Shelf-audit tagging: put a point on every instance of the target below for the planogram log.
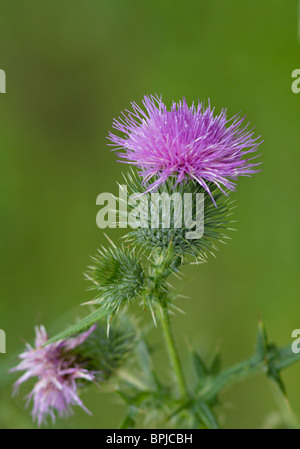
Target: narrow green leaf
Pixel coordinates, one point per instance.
(78, 327)
(286, 357)
(275, 376)
(129, 421)
(126, 398)
(206, 415)
(216, 364)
(141, 397)
(200, 367)
(182, 407)
(262, 341)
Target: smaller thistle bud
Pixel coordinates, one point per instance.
(116, 276)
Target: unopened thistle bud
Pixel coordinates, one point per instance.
(117, 277)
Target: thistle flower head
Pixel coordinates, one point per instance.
(185, 142)
(58, 373)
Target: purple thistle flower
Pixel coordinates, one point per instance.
(57, 371)
(185, 142)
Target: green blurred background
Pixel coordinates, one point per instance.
(71, 67)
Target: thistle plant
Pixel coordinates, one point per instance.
(187, 150)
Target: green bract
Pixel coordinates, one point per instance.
(104, 353)
(216, 218)
(117, 277)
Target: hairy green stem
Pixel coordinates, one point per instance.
(172, 350)
(270, 365)
(236, 373)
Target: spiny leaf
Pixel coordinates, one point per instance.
(262, 341)
(129, 421)
(141, 397)
(275, 376)
(181, 408)
(126, 397)
(200, 367)
(78, 327)
(285, 357)
(215, 366)
(206, 415)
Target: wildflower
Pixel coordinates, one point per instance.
(184, 143)
(59, 372)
